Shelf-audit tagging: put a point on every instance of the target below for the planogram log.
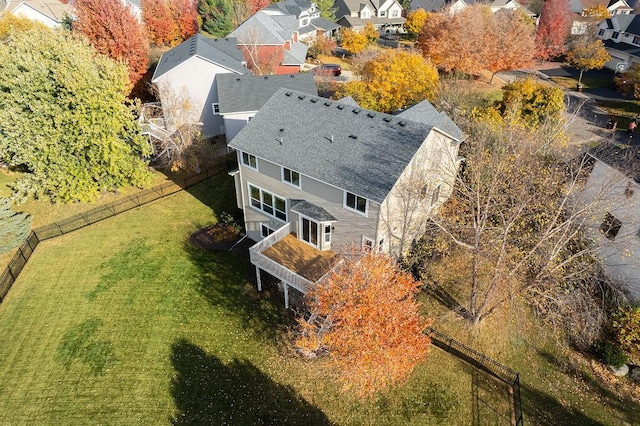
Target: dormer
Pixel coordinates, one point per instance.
(366, 12)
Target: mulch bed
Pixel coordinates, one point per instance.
(219, 236)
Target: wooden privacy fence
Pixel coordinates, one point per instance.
(20, 259)
(481, 362)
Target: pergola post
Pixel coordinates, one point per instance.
(258, 279)
(286, 295)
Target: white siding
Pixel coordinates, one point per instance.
(30, 13)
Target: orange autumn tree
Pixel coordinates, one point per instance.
(113, 31)
(161, 28)
(372, 328)
(185, 15)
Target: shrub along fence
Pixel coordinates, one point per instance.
(20, 259)
(477, 360)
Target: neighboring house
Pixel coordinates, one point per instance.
(385, 15)
(270, 43)
(455, 6)
(579, 7)
(613, 221)
(240, 97)
(317, 177)
(621, 36)
(310, 24)
(187, 85)
(48, 12)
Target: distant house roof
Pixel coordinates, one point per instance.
(290, 7)
(265, 29)
(424, 112)
(361, 151)
(354, 22)
(249, 93)
(346, 7)
(53, 9)
(220, 51)
(319, 24)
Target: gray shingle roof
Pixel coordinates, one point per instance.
(361, 151)
(424, 112)
(221, 51)
(312, 211)
(622, 47)
(263, 29)
(296, 55)
(249, 93)
(291, 7)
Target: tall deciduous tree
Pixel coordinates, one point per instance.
(10, 22)
(512, 43)
(372, 328)
(531, 102)
(114, 31)
(393, 80)
(14, 227)
(161, 28)
(217, 16)
(415, 21)
(185, 15)
(64, 118)
(553, 29)
(587, 53)
(352, 41)
(257, 5)
(327, 9)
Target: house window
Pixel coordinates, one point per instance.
(601, 32)
(265, 231)
(327, 234)
(367, 243)
(355, 202)
(395, 13)
(615, 34)
(249, 160)
(304, 22)
(381, 245)
(309, 231)
(365, 14)
(610, 226)
(291, 177)
(435, 197)
(268, 203)
(636, 40)
(216, 108)
(383, 13)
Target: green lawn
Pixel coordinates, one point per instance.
(124, 322)
(587, 82)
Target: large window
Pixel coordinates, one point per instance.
(268, 203)
(249, 160)
(355, 202)
(291, 177)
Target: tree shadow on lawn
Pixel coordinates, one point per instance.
(208, 392)
(224, 280)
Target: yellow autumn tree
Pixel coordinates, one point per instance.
(366, 316)
(415, 21)
(587, 53)
(393, 80)
(598, 12)
(10, 22)
(352, 41)
(371, 33)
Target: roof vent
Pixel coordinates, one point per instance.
(353, 137)
(327, 103)
(356, 111)
(266, 77)
(238, 80)
(281, 140)
(301, 97)
(313, 100)
(340, 107)
(292, 76)
(387, 119)
(370, 115)
(402, 123)
(288, 94)
(281, 130)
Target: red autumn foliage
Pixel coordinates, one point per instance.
(113, 31)
(373, 330)
(185, 15)
(161, 28)
(553, 29)
(256, 5)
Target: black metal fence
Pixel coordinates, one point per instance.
(489, 366)
(20, 259)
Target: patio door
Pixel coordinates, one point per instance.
(309, 231)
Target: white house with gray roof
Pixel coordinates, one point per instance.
(318, 176)
(382, 14)
(310, 23)
(240, 97)
(186, 79)
(48, 12)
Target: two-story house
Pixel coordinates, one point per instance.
(186, 80)
(48, 12)
(455, 6)
(317, 177)
(270, 43)
(310, 24)
(385, 15)
(580, 12)
(621, 36)
(240, 97)
(611, 198)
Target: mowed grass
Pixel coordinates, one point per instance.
(124, 322)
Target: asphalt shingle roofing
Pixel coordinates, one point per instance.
(249, 92)
(221, 51)
(312, 211)
(361, 151)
